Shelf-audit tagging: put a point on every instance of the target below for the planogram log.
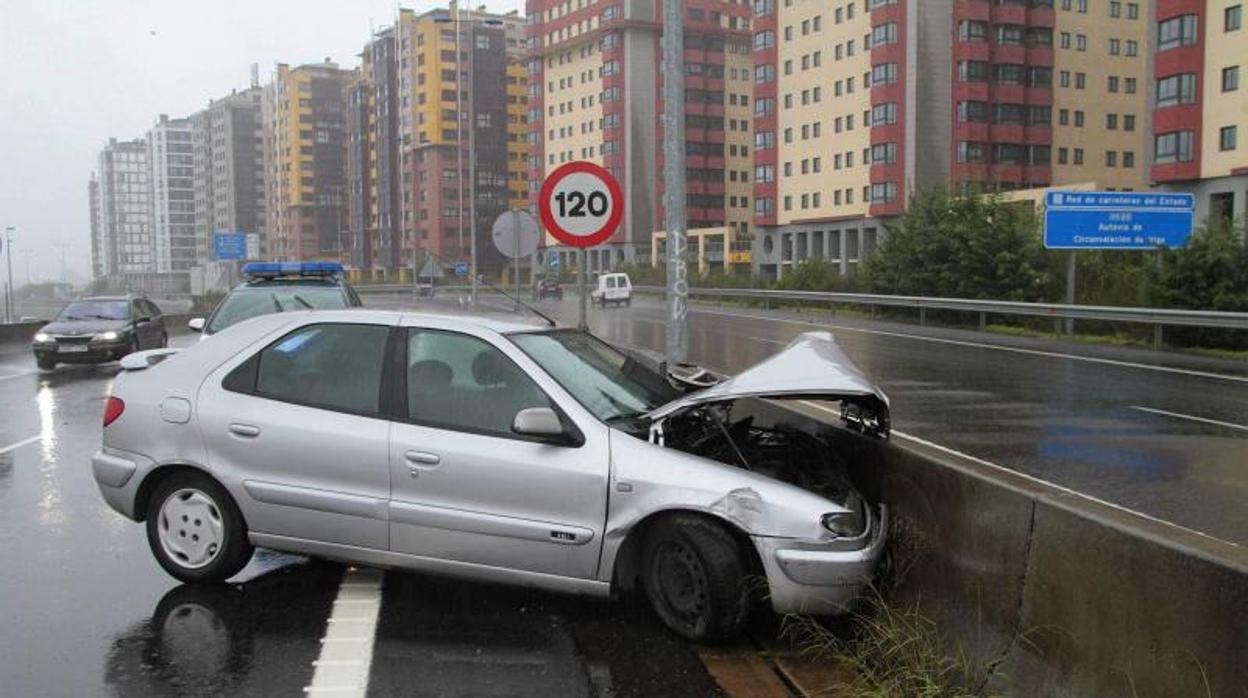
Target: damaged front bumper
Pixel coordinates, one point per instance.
(821, 577)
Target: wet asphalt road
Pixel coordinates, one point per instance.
(86, 611)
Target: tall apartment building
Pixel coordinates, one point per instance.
(860, 104)
(228, 146)
(440, 97)
(1201, 108)
(124, 211)
(595, 93)
(171, 157)
(304, 116)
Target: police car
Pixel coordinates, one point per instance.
(275, 287)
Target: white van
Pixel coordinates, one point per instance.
(616, 289)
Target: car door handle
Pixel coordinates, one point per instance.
(419, 458)
(244, 429)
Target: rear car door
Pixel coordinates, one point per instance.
(299, 428)
(467, 489)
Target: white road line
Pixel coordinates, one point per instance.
(1032, 478)
(982, 345)
(347, 648)
(1180, 415)
(17, 375)
(19, 444)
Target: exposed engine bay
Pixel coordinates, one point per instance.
(781, 451)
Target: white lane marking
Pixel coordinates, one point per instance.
(982, 345)
(1180, 415)
(19, 444)
(17, 375)
(1032, 478)
(346, 655)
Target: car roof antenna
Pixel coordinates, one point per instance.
(518, 302)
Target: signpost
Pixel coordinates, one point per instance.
(1114, 220)
(581, 204)
(228, 246)
(516, 235)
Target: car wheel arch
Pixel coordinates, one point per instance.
(627, 568)
(161, 473)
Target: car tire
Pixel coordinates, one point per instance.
(184, 507)
(45, 364)
(694, 575)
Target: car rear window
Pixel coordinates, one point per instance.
(247, 303)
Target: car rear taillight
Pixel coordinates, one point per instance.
(113, 409)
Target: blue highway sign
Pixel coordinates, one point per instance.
(1109, 220)
(229, 246)
(461, 269)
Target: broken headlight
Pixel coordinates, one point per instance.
(847, 524)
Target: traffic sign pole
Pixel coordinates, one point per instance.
(582, 323)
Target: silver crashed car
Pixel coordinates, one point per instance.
(501, 451)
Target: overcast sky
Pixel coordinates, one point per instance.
(73, 74)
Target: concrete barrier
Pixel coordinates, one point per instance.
(1072, 596)
(19, 332)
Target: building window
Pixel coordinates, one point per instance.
(1226, 138)
(976, 112)
(884, 114)
(1128, 158)
(1173, 147)
(1063, 156)
(1230, 79)
(1176, 89)
(972, 71)
(1111, 158)
(884, 74)
(1133, 10)
(1233, 18)
(1078, 156)
(971, 30)
(883, 192)
(883, 34)
(970, 151)
(1176, 32)
(1113, 83)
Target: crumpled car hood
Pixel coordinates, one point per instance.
(812, 366)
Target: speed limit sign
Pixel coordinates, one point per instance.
(581, 204)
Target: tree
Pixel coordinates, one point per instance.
(1210, 273)
(964, 247)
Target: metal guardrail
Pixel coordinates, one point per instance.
(1156, 317)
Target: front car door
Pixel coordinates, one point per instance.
(297, 431)
(467, 489)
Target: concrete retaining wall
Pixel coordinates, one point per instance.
(1074, 597)
(19, 333)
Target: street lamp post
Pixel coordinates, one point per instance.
(8, 295)
(458, 20)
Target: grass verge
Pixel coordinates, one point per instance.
(892, 651)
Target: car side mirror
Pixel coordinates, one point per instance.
(196, 324)
(541, 423)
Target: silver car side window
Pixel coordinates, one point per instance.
(334, 366)
(456, 381)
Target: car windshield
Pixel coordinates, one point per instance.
(250, 302)
(604, 380)
(95, 310)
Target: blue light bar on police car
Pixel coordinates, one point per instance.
(275, 269)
